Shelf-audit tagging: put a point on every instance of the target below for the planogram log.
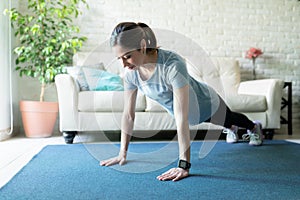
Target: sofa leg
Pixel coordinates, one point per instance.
(268, 133)
(69, 136)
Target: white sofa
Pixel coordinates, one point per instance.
(102, 110)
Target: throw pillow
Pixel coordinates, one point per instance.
(100, 80)
(77, 73)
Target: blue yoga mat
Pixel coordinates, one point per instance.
(227, 171)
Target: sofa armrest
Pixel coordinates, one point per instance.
(272, 89)
(67, 92)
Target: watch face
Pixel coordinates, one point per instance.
(184, 164)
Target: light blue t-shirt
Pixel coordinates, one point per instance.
(171, 73)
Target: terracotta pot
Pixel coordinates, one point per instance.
(38, 117)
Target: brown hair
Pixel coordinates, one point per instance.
(130, 34)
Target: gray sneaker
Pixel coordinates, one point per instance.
(255, 136)
(232, 136)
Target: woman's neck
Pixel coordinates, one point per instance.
(148, 68)
(151, 58)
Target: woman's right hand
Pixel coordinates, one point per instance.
(121, 160)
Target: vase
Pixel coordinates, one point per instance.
(253, 69)
(38, 118)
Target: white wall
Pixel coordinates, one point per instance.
(221, 27)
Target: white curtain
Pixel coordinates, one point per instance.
(5, 82)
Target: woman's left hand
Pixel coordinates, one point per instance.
(174, 174)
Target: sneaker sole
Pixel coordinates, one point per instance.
(255, 144)
(231, 142)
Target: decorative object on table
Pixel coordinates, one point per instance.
(47, 41)
(252, 54)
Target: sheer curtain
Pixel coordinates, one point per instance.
(5, 74)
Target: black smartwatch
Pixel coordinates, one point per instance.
(184, 164)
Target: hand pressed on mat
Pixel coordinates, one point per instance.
(174, 174)
(120, 159)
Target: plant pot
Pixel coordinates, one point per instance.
(38, 118)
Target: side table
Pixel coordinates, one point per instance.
(287, 102)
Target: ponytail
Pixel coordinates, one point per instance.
(130, 34)
(149, 35)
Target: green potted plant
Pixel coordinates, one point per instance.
(47, 41)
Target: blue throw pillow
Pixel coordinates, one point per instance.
(77, 73)
(100, 80)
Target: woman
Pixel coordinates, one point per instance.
(162, 76)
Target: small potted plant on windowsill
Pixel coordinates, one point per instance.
(47, 41)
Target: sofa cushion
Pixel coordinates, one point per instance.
(106, 101)
(246, 103)
(237, 103)
(222, 74)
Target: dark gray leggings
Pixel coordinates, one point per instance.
(225, 117)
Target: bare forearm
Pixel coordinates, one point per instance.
(125, 139)
(126, 133)
(181, 110)
(183, 133)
